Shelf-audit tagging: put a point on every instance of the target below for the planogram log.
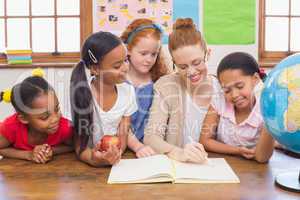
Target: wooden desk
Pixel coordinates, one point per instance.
(66, 178)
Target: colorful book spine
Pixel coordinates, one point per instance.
(15, 57)
(28, 51)
(19, 57)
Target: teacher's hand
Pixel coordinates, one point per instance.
(194, 152)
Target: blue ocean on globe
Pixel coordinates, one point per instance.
(280, 102)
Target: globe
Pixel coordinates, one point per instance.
(280, 107)
(280, 102)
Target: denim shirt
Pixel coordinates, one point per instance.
(144, 96)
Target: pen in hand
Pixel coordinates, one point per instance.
(192, 141)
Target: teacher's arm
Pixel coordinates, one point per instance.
(157, 125)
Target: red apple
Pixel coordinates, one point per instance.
(109, 140)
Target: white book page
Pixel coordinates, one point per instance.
(216, 170)
(139, 170)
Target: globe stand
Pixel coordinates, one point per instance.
(289, 181)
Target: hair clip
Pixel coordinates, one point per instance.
(92, 57)
(38, 72)
(6, 95)
(261, 72)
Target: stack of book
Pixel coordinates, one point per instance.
(15, 57)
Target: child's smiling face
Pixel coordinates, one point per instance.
(45, 115)
(238, 88)
(113, 67)
(191, 63)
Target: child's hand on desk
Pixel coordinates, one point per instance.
(145, 151)
(111, 156)
(48, 151)
(247, 153)
(41, 153)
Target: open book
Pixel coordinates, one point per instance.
(160, 168)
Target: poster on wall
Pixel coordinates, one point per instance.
(115, 15)
(229, 23)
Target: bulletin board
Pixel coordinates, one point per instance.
(115, 15)
(232, 22)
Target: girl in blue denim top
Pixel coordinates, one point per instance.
(143, 40)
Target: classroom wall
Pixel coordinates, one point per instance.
(59, 78)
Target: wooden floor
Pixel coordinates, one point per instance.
(66, 178)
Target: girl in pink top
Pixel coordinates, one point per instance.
(233, 124)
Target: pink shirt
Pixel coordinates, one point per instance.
(229, 132)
